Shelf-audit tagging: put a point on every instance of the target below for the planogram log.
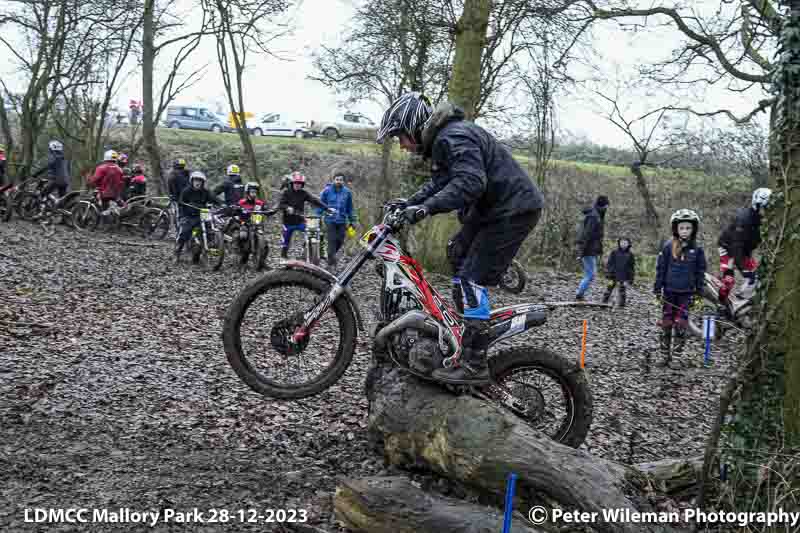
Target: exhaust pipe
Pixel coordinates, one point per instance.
(412, 320)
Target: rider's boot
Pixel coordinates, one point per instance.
(177, 252)
(665, 340)
(607, 294)
(458, 300)
(473, 368)
(680, 337)
(284, 253)
(475, 340)
(622, 294)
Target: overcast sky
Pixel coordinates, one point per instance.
(275, 85)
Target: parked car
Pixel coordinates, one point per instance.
(194, 118)
(280, 124)
(348, 125)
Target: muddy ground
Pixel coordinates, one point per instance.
(115, 390)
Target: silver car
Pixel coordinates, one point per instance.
(193, 118)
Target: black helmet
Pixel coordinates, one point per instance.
(408, 114)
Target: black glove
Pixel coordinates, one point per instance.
(657, 292)
(415, 213)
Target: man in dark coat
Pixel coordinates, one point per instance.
(589, 242)
(497, 202)
(178, 180)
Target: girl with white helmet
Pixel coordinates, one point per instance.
(680, 274)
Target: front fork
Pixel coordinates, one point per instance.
(311, 317)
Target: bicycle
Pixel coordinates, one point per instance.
(417, 330)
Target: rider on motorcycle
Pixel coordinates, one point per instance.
(497, 203)
(250, 200)
(737, 243)
(292, 203)
(192, 199)
(232, 186)
(57, 169)
(107, 179)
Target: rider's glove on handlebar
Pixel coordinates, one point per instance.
(415, 213)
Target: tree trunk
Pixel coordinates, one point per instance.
(783, 298)
(465, 84)
(148, 127)
(395, 505)
(654, 225)
(479, 444)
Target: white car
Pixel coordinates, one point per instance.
(280, 124)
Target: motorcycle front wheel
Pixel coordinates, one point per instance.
(544, 389)
(260, 322)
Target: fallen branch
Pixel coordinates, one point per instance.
(395, 505)
(477, 443)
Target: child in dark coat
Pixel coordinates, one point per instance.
(620, 270)
(680, 274)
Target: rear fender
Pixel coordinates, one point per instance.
(323, 274)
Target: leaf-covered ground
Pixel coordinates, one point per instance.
(116, 391)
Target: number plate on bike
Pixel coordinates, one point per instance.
(312, 223)
(205, 214)
(257, 219)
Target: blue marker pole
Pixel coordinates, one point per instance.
(512, 480)
(708, 331)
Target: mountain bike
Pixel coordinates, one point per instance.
(300, 317)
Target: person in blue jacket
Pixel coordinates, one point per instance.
(337, 196)
(680, 274)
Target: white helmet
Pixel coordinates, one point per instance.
(761, 197)
(55, 146)
(685, 215)
(233, 170)
(110, 155)
(197, 175)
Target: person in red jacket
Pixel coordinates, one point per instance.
(250, 200)
(107, 179)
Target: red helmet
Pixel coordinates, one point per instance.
(298, 178)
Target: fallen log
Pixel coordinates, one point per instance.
(420, 425)
(677, 478)
(395, 505)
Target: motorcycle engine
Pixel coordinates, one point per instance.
(421, 352)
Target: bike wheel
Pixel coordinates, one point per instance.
(85, 216)
(27, 205)
(262, 317)
(514, 278)
(561, 407)
(67, 208)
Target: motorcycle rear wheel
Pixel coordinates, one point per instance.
(575, 406)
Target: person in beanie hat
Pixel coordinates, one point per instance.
(620, 270)
(589, 242)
